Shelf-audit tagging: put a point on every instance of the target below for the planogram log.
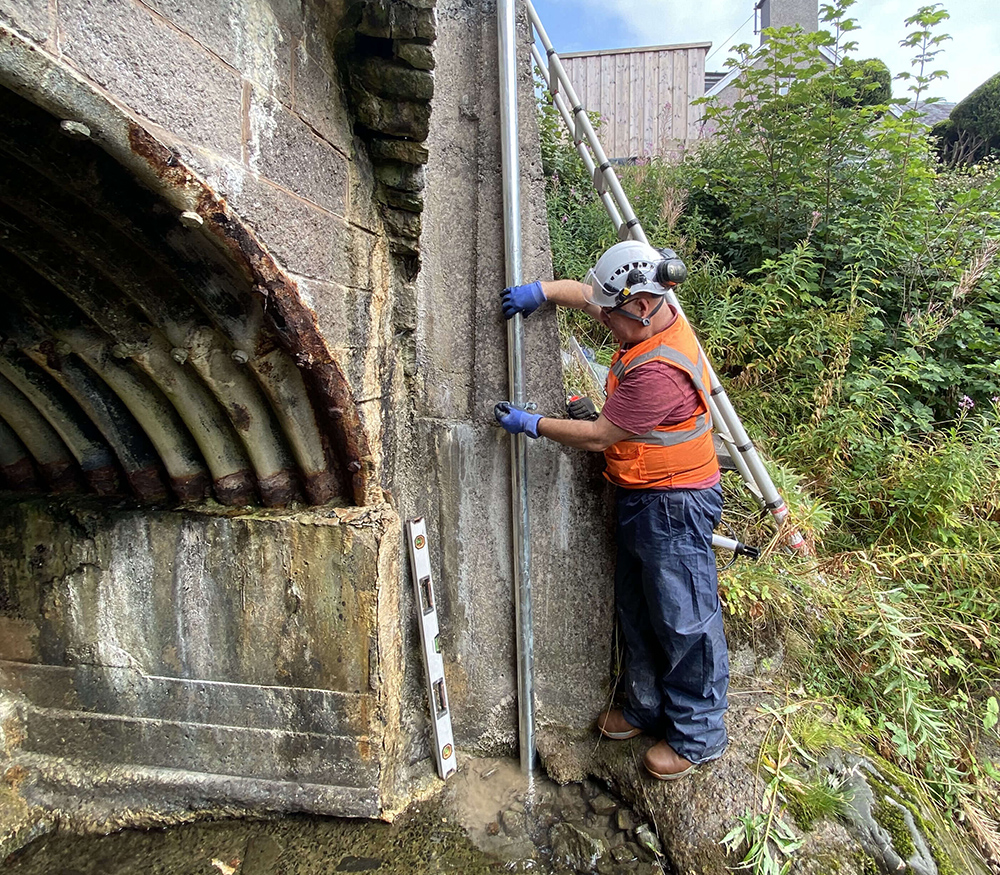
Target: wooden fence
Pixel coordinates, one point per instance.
(643, 96)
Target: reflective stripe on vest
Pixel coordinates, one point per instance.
(703, 425)
(676, 455)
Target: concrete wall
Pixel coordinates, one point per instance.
(455, 471)
(149, 615)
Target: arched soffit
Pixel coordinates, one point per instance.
(151, 348)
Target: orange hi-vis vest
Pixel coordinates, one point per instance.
(670, 456)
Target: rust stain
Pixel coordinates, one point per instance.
(190, 489)
(235, 489)
(319, 487)
(147, 484)
(279, 490)
(240, 416)
(103, 480)
(60, 476)
(20, 475)
(293, 322)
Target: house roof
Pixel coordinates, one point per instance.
(726, 78)
(936, 112)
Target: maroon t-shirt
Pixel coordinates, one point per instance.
(653, 394)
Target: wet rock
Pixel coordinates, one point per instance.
(626, 820)
(597, 822)
(603, 804)
(626, 852)
(575, 848)
(545, 815)
(493, 828)
(513, 823)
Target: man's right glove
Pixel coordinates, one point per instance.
(515, 420)
(581, 407)
(522, 299)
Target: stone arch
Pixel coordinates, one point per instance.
(151, 346)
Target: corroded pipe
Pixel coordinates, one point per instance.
(183, 259)
(16, 468)
(135, 453)
(55, 462)
(74, 277)
(95, 458)
(163, 302)
(189, 478)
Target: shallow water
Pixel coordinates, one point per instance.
(486, 819)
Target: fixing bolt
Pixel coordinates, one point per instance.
(120, 351)
(75, 130)
(191, 219)
(240, 356)
(179, 355)
(354, 466)
(63, 348)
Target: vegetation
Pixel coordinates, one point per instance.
(972, 132)
(846, 285)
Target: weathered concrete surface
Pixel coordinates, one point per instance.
(454, 462)
(258, 649)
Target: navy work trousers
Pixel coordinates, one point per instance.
(667, 596)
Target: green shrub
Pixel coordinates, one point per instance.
(972, 131)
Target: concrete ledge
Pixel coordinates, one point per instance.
(107, 689)
(91, 800)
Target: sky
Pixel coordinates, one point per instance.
(970, 57)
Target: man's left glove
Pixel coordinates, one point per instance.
(581, 407)
(522, 299)
(515, 420)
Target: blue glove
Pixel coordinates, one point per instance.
(522, 299)
(515, 420)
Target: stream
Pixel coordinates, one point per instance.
(485, 819)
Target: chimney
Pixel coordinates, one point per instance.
(788, 13)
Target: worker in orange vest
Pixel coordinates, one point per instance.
(655, 431)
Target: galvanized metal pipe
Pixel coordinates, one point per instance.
(507, 41)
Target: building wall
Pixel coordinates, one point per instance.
(643, 96)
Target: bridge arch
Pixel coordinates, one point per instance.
(152, 349)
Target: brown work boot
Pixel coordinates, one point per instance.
(612, 724)
(665, 764)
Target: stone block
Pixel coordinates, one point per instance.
(402, 200)
(28, 16)
(282, 148)
(157, 72)
(344, 312)
(415, 54)
(407, 151)
(318, 99)
(304, 239)
(405, 177)
(402, 222)
(386, 79)
(262, 754)
(390, 20)
(399, 118)
(253, 36)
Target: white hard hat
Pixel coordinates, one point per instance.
(630, 267)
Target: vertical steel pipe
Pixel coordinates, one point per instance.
(507, 42)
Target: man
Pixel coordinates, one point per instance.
(655, 433)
